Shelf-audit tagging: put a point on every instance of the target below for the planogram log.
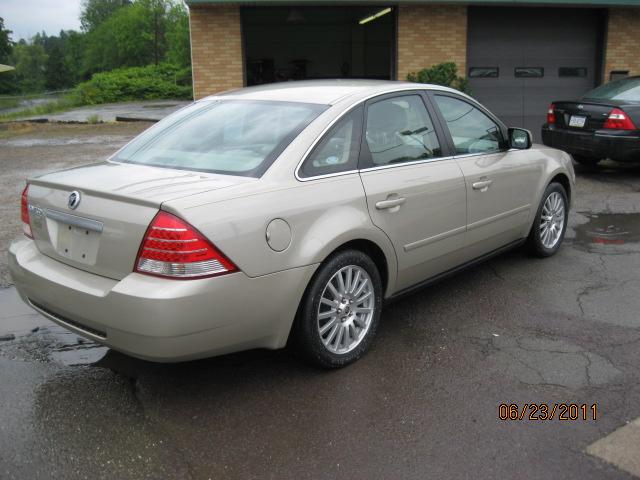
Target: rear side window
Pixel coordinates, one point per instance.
(471, 130)
(235, 137)
(627, 89)
(399, 130)
(338, 150)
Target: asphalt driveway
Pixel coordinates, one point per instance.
(423, 403)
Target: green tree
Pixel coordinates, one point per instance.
(57, 72)
(123, 40)
(8, 83)
(6, 45)
(156, 27)
(30, 61)
(144, 32)
(95, 12)
(178, 42)
(117, 34)
(62, 70)
(74, 50)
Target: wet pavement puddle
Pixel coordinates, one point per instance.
(69, 349)
(26, 333)
(53, 344)
(609, 229)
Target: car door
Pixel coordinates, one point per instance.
(415, 191)
(500, 182)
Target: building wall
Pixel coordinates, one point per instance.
(623, 41)
(428, 35)
(216, 49)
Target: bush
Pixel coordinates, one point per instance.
(136, 83)
(445, 74)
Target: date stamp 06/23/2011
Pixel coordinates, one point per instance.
(551, 411)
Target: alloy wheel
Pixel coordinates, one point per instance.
(346, 309)
(552, 220)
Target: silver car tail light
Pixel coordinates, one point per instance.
(172, 248)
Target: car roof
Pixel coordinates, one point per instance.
(325, 92)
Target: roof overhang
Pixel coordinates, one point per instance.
(576, 3)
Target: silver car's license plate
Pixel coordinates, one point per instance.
(77, 243)
(576, 121)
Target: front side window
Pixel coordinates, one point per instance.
(235, 137)
(399, 130)
(471, 130)
(338, 150)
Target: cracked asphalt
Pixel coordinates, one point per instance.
(423, 403)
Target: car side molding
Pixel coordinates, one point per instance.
(446, 274)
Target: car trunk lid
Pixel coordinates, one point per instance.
(582, 116)
(115, 204)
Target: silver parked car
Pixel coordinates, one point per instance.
(283, 214)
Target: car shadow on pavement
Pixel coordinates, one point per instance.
(609, 171)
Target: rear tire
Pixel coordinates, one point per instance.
(550, 222)
(587, 161)
(340, 311)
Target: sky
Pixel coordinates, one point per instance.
(28, 17)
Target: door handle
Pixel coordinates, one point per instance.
(391, 203)
(482, 186)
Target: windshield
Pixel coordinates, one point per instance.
(627, 89)
(235, 137)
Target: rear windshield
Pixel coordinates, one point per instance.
(235, 137)
(627, 89)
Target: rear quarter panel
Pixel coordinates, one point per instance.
(633, 110)
(322, 214)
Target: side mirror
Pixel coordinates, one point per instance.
(520, 138)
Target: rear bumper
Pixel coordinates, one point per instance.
(621, 146)
(159, 319)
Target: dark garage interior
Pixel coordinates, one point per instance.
(297, 43)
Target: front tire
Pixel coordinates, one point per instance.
(340, 311)
(550, 222)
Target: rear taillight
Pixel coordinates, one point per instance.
(172, 248)
(618, 120)
(551, 114)
(24, 213)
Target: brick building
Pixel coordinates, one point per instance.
(517, 55)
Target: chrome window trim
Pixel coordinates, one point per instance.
(381, 167)
(436, 159)
(325, 175)
(492, 152)
(406, 164)
(338, 118)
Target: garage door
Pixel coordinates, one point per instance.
(521, 59)
(297, 43)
